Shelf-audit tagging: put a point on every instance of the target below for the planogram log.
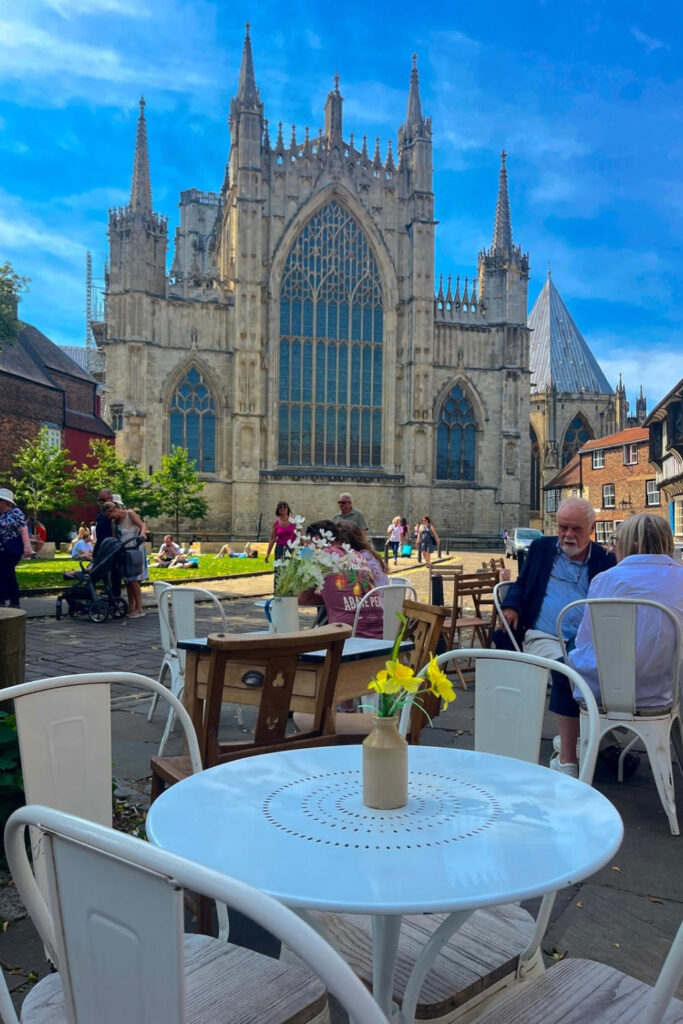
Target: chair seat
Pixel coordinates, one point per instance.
(225, 983)
(479, 956)
(578, 992)
(166, 771)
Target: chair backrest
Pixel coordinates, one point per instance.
(167, 639)
(276, 657)
(614, 627)
(391, 597)
(499, 594)
(115, 922)
(178, 606)
(510, 691)
(667, 982)
(64, 728)
(425, 623)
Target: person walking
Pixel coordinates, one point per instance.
(427, 538)
(395, 536)
(284, 530)
(135, 565)
(14, 542)
(348, 514)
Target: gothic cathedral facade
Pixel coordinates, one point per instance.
(298, 346)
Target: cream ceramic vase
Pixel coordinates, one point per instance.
(282, 614)
(385, 766)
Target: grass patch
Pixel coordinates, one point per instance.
(34, 574)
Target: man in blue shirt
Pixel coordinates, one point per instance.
(555, 573)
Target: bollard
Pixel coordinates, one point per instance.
(12, 646)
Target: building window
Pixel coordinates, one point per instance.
(52, 435)
(117, 417)
(599, 459)
(456, 438)
(330, 349)
(608, 496)
(678, 516)
(651, 492)
(192, 421)
(603, 532)
(630, 454)
(552, 500)
(575, 436)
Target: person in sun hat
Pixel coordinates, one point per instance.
(14, 542)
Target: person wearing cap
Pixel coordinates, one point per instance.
(14, 542)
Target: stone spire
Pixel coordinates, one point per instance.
(333, 115)
(141, 188)
(502, 230)
(414, 111)
(247, 93)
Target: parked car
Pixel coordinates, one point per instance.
(520, 539)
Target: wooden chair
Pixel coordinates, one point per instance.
(580, 991)
(114, 925)
(276, 657)
(471, 609)
(496, 947)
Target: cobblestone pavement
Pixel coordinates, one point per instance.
(625, 915)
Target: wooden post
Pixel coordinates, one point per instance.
(12, 646)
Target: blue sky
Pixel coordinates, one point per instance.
(586, 97)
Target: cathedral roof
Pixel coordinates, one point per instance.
(559, 354)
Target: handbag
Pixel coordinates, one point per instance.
(134, 561)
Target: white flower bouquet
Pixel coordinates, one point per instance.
(308, 561)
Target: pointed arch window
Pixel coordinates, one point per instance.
(535, 477)
(456, 438)
(575, 436)
(330, 347)
(192, 421)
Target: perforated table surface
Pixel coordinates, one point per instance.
(478, 830)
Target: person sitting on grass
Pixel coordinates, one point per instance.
(169, 554)
(247, 553)
(82, 550)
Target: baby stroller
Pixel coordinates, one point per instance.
(92, 593)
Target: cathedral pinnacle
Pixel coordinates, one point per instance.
(502, 230)
(333, 115)
(141, 188)
(247, 93)
(414, 112)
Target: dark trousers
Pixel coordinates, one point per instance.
(9, 588)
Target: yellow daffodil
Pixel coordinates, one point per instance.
(385, 683)
(439, 682)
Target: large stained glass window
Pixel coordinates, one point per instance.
(192, 421)
(575, 437)
(456, 438)
(330, 347)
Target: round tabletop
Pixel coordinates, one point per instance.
(478, 830)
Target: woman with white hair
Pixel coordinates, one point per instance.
(645, 569)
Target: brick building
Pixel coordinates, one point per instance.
(665, 426)
(615, 474)
(42, 387)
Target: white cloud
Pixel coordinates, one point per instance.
(70, 9)
(649, 42)
(656, 366)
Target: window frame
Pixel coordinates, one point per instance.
(631, 454)
(649, 494)
(604, 530)
(606, 489)
(598, 461)
(468, 429)
(179, 411)
(53, 435)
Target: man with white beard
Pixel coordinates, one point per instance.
(555, 573)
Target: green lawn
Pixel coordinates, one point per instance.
(34, 573)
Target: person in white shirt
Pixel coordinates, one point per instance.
(83, 548)
(645, 568)
(169, 553)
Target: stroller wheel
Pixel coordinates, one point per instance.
(118, 608)
(99, 611)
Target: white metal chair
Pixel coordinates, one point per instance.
(499, 594)
(171, 662)
(495, 947)
(576, 991)
(113, 920)
(614, 623)
(177, 611)
(7, 1012)
(392, 596)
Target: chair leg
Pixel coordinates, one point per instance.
(155, 698)
(677, 741)
(169, 725)
(657, 742)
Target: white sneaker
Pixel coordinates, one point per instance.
(566, 769)
(557, 746)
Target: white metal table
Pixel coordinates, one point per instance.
(478, 830)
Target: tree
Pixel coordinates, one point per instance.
(44, 476)
(11, 288)
(178, 488)
(108, 469)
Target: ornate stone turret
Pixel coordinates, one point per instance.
(504, 270)
(502, 228)
(641, 407)
(138, 237)
(621, 405)
(415, 139)
(333, 115)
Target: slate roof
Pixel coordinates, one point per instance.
(628, 436)
(87, 358)
(569, 476)
(559, 354)
(51, 356)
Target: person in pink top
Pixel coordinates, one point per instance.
(283, 530)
